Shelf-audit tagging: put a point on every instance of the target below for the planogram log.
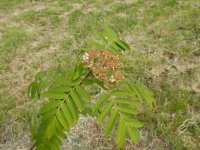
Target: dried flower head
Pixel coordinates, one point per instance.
(104, 65)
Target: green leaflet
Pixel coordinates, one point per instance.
(135, 90)
(61, 134)
(54, 95)
(94, 44)
(82, 92)
(78, 68)
(121, 133)
(62, 120)
(126, 101)
(111, 123)
(33, 89)
(102, 38)
(133, 134)
(56, 142)
(40, 75)
(77, 74)
(122, 93)
(115, 48)
(73, 109)
(67, 114)
(60, 88)
(53, 143)
(110, 34)
(127, 109)
(148, 96)
(134, 123)
(60, 130)
(41, 133)
(123, 45)
(65, 81)
(50, 105)
(93, 80)
(42, 85)
(142, 94)
(88, 82)
(49, 114)
(100, 102)
(77, 100)
(39, 141)
(69, 73)
(42, 147)
(59, 126)
(105, 111)
(51, 129)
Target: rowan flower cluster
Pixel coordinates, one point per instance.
(104, 65)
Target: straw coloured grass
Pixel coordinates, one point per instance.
(164, 36)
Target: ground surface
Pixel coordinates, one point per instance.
(165, 39)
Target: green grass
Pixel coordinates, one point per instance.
(164, 38)
(5, 108)
(13, 39)
(5, 4)
(41, 18)
(172, 112)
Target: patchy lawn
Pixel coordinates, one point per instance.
(165, 39)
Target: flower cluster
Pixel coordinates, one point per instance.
(104, 65)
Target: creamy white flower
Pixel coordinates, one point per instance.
(86, 56)
(112, 79)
